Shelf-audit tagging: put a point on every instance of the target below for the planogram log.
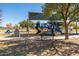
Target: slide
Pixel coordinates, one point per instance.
(57, 29)
(8, 31)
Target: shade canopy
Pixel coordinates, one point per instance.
(36, 16)
(40, 16)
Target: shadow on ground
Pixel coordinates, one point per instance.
(47, 48)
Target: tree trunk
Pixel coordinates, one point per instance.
(66, 31)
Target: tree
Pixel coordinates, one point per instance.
(23, 24)
(66, 10)
(9, 26)
(16, 26)
(26, 23)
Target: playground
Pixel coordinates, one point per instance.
(36, 45)
(52, 32)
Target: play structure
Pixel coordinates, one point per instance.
(8, 31)
(52, 27)
(57, 28)
(48, 27)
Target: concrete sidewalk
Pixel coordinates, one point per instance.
(38, 37)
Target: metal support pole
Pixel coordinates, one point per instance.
(53, 30)
(28, 26)
(76, 27)
(19, 34)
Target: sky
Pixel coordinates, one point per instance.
(15, 12)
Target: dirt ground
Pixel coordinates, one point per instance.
(35, 47)
(68, 47)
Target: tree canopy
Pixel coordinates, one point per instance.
(26, 23)
(65, 10)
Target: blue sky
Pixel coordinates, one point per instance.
(14, 13)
